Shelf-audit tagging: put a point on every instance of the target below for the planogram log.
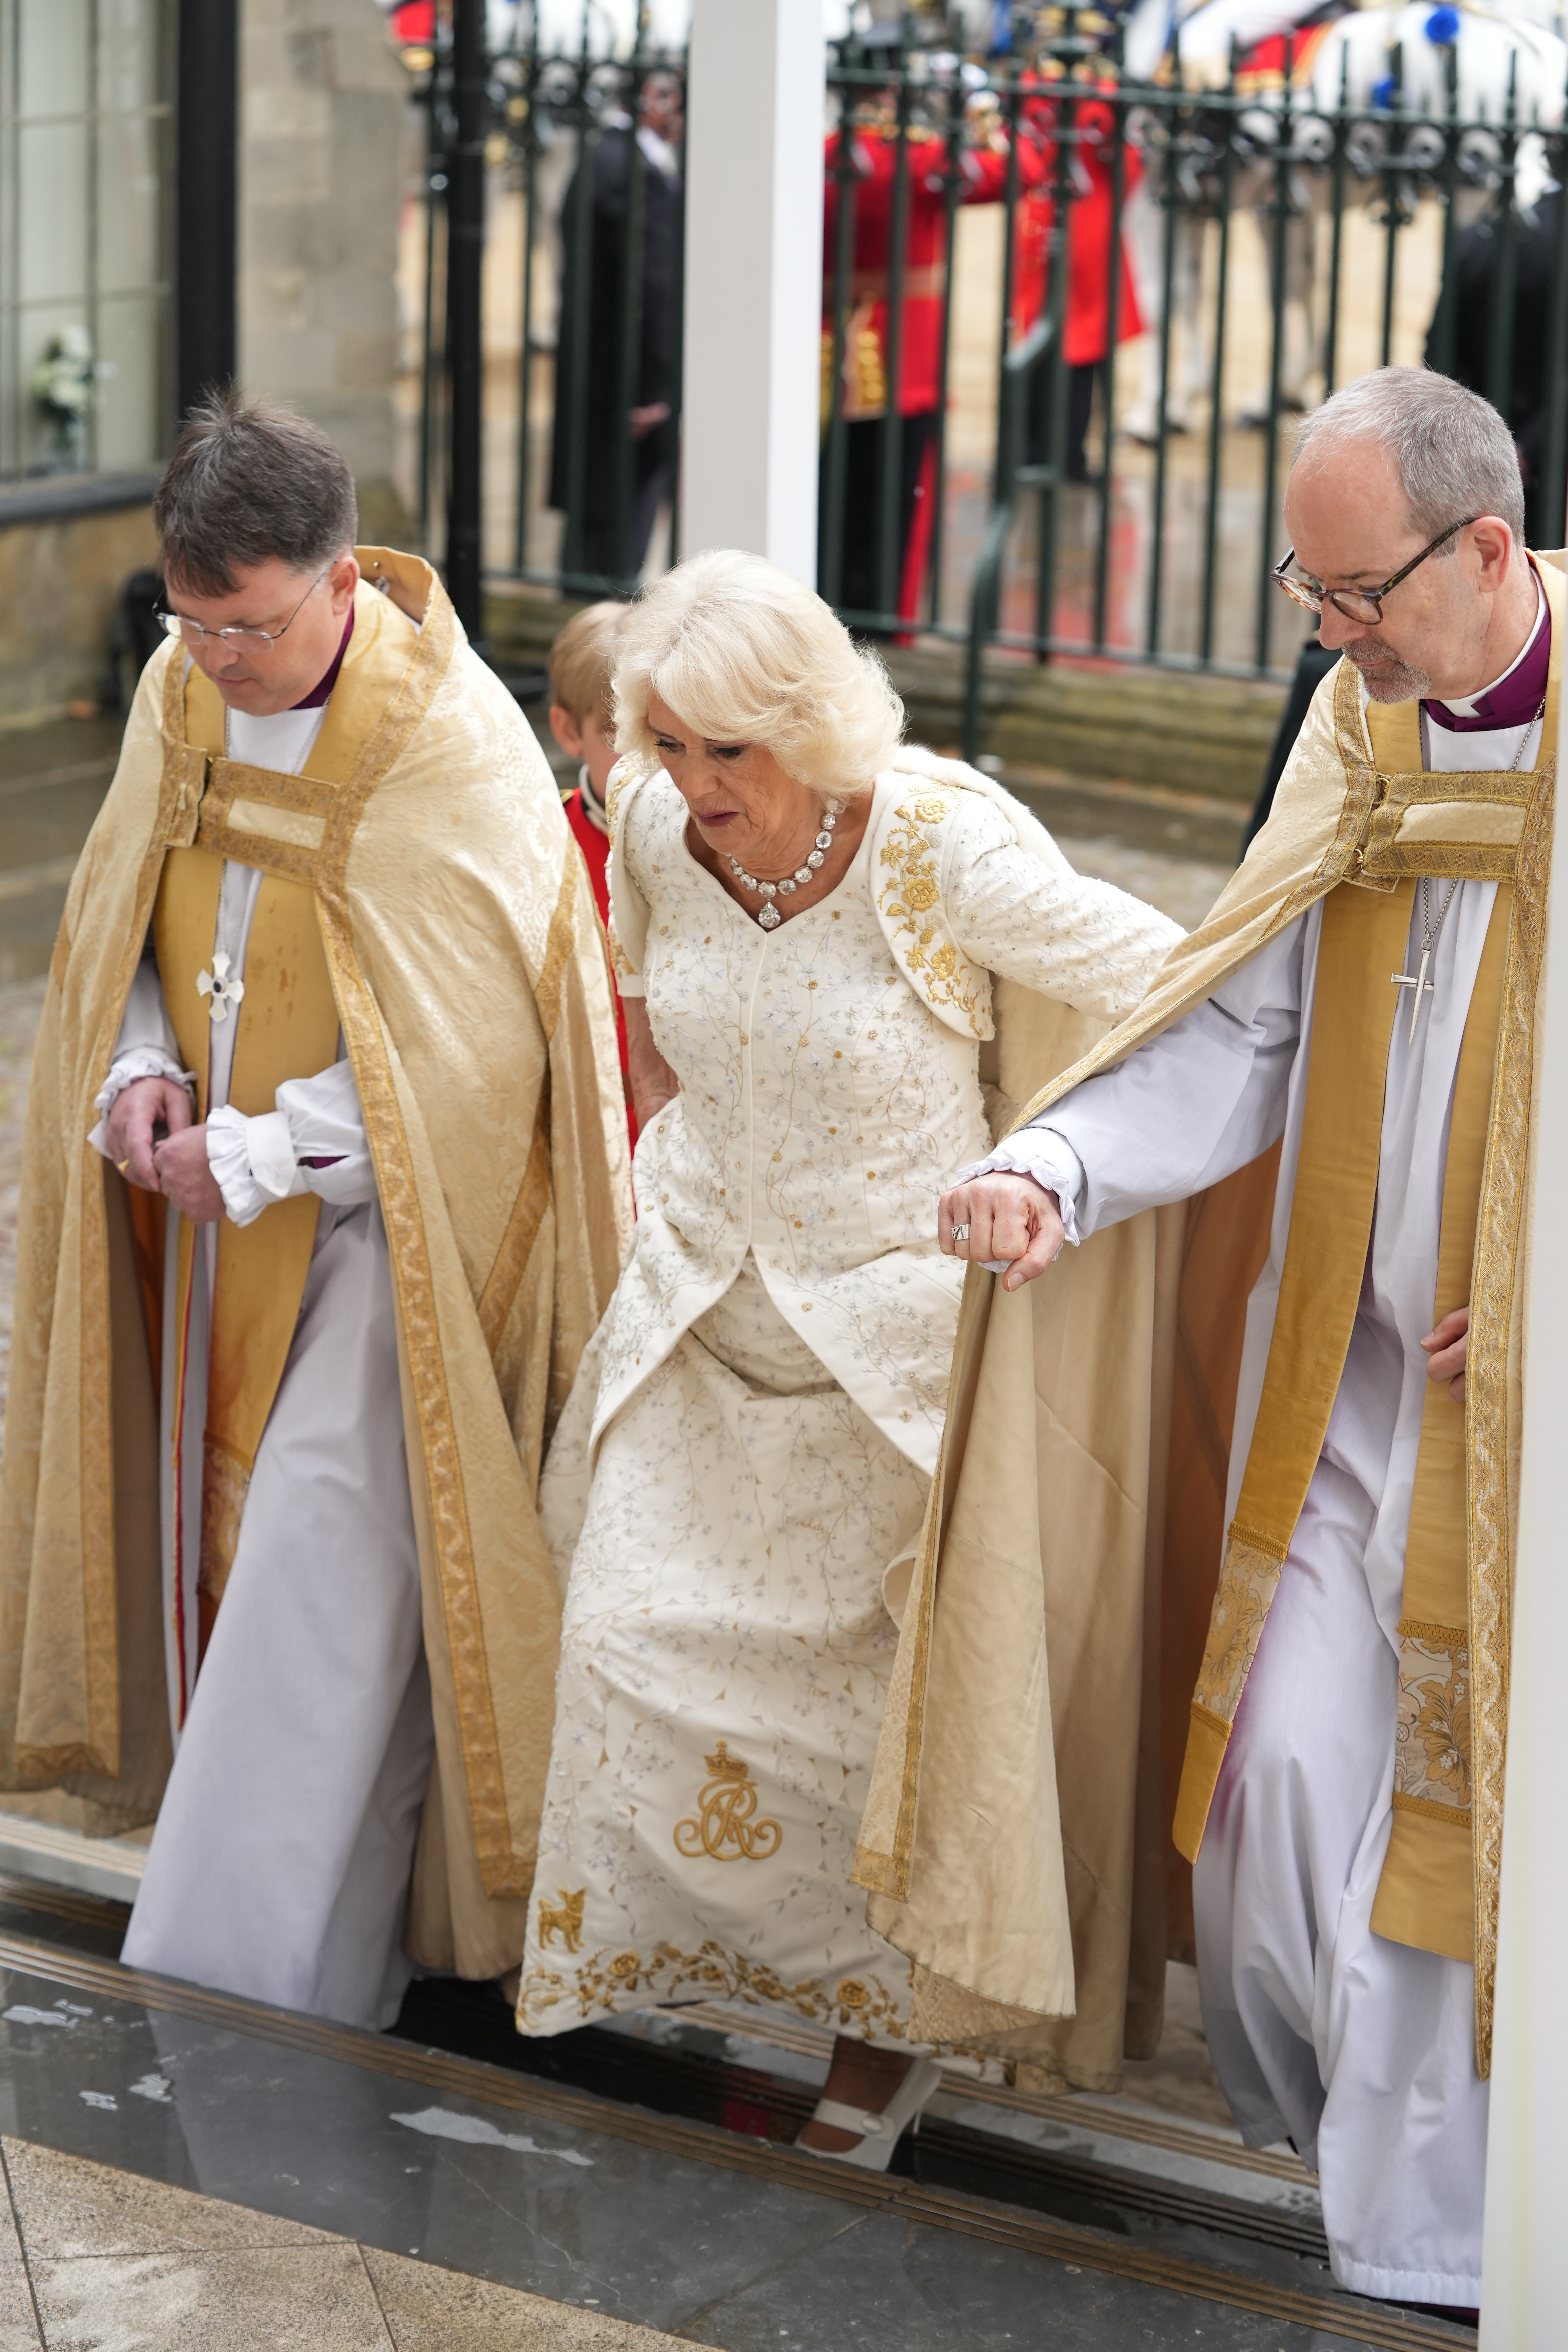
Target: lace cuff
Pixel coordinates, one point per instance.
(1047, 1157)
(252, 1161)
(136, 1062)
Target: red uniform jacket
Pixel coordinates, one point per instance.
(874, 150)
(1087, 329)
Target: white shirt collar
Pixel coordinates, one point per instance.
(593, 808)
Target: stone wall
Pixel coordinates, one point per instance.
(323, 106)
(323, 100)
(60, 579)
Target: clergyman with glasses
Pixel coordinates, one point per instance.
(324, 1193)
(1334, 1075)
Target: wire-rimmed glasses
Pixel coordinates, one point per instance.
(1358, 603)
(176, 624)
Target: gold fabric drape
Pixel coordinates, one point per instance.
(468, 975)
(1040, 1677)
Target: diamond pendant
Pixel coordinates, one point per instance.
(769, 916)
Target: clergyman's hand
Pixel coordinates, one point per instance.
(138, 1108)
(1008, 1217)
(185, 1176)
(1445, 1348)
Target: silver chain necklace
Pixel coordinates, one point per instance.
(768, 915)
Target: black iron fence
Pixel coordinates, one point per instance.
(584, 153)
(1067, 315)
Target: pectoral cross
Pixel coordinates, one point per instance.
(1431, 925)
(1415, 982)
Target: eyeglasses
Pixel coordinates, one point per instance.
(1359, 604)
(175, 625)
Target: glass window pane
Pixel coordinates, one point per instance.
(52, 211)
(130, 404)
(128, 205)
(128, 55)
(54, 43)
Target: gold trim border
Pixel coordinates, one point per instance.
(1490, 1454)
(178, 792)
(1457, 1816)
(412, 1279)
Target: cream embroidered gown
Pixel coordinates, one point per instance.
(749, 1445)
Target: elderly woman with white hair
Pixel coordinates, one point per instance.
(807, 921)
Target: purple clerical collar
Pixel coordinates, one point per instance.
(318, 694)
(1512, 700)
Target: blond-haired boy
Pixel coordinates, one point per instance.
(581, 664)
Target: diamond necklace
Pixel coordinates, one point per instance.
(768, 915)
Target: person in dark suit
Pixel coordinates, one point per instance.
(1475, 265)
(613, 460)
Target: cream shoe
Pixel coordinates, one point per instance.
(880, 2131)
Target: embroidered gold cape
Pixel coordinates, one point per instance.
(468, 967)
(1058, 1615)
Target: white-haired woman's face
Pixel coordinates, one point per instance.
(742, 803)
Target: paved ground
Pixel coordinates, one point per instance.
(92, 2256)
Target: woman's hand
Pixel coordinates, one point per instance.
(1446, 1348)
(654, 1083)
(138, 1108)
(1008, 1217)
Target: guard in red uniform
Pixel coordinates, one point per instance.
(1086, 340)
(873, 153)
(582, 664)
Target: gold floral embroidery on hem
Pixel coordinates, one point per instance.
(607, 1983)
(1247, 1585)
(1432, 1735)
(726, 1831)
(563, 1920)
(912, 902)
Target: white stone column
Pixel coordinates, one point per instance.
(753, 279)
(1524, 2304)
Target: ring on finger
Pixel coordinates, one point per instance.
(961, 1232)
